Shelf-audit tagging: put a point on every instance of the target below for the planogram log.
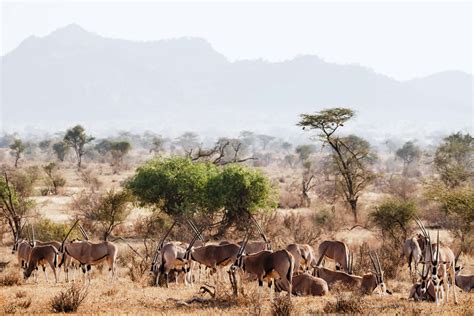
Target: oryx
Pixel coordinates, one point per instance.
(331, 276)
(156, 261)
(303, 255)
(337, 251)
(88, 253)
(413, 251)
(464, 282)
(266, 266)
(441, 261)
(423, 290)
(304, 285)
(42, 255)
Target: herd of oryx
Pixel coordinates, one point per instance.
(295, 269)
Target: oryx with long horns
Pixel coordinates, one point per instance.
(88, 253)
(440, 260)
(266, 266)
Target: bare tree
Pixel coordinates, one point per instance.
(14, 206)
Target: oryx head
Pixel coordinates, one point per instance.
(379, 277)
(435, 263)
(425, 279)
(423, 239)
(239, 261)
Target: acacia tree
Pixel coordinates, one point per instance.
(454, 159)
(76, 138)
(54, 179)
(17, 149)
(240, 192)
(351, 155)
(265, 140)
(176, 186)
(114, 208)
(408, 153)
(115, 150)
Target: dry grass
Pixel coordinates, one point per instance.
(131, 293)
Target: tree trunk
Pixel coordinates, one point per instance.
(353, 204)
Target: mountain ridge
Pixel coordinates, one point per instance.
(81, 76)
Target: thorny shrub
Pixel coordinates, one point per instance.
(69, 300)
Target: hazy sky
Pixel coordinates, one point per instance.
(402, 40)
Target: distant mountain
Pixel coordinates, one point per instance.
(73, 75)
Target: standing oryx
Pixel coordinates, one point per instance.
(266, 266)
(156, 262)
(337, 251)
(303, 255)
(412, 250)
(88, 253)
(42, 255)
(441, 262)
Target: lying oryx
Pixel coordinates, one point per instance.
(304, 285)
(40, 256)
(464, 282)
(423, 290)
(366, 283)
(337, 251)
(266, 266)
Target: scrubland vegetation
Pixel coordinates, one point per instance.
(133, 186)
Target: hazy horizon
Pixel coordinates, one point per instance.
(138, 66)
(376, 39)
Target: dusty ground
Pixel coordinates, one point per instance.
(125, 296)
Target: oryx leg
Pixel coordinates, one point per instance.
(270, 286)
(56, 276)
(453, 284)
(45, 274)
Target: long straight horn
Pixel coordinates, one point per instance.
(83, 232)
(260, 230)
(33, 235)
(322, 256)
(457, 257)
(195, 229)
(437, 248)
(430, 248)
(67, 235)
(244, 244)
(160, 245)
(421, 226)
(378, 263)
(191, 244)
(373, 262)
